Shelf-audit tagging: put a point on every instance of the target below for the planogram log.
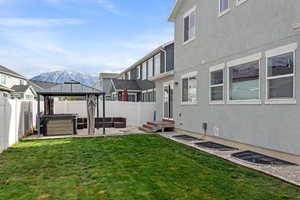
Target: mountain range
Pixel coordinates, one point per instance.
(63, 76)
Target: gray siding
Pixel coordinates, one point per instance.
(253, 27)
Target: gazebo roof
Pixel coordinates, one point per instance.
(72, 88)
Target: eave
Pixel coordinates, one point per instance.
(175, 10)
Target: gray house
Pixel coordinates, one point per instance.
(235, 69)
(145, 80)
(104, 83)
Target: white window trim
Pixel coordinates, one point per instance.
(188, 76)
(222, 13)
(291, 48)
(184, 16)
(213, 69)
(240, 61)
(138, 73)
(239, 2)
(128, 75)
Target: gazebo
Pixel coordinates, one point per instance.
(70, 89)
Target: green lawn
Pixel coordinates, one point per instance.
(128, 167)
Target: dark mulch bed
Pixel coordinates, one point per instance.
(186, 138)
(215, 146)
(258, 158)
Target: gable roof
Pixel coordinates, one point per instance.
(175, 10)
(7, 71)
(108, 75)
(71, 88)
(136, 85)
(20, 88)
(44, 84)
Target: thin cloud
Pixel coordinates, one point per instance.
(109, 6)
(33, 22)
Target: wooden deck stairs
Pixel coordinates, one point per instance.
(156, 126)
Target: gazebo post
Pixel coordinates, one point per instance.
(103, 113)
(38, 115)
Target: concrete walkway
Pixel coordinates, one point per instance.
(84, 133)
(290, 174)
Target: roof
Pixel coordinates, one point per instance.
(5, 70)
(3, 88)
(146, 57)
(108, 75)
(174, 11)
(135, 85)
(71, 88)
(44, 84)
(20, 88)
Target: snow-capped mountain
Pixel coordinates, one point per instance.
(63, 76)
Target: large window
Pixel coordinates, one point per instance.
(157, 64)
(216, 82)
(150, 67)
(243, 80)
(189, 88)
(281, 74)
(144, 71)
(223, 7)
(189, 25)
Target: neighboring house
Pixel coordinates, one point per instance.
(104, 83)
(138, 90)
(5, 91)
(13, 80)
(235, 63)
(24, 92)
(150, 79)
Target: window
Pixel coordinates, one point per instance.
(150, 68)
(128, 76)
(3, 79)
(216, 84)
(281, 74)
(239, 2)
(144, 71)
(157, 64)
(138, 71)
(223, 7)
(189, 88)
(243, 80)
(189, 25)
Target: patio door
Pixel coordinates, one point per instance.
(168, 100)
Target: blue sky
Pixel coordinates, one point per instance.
(80, 35)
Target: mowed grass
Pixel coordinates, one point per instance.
(126, 168)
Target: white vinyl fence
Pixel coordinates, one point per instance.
(16, 118)
(136, 113)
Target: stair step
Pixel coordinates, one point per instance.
(169, 120)
(147, 130)
(150, 126)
